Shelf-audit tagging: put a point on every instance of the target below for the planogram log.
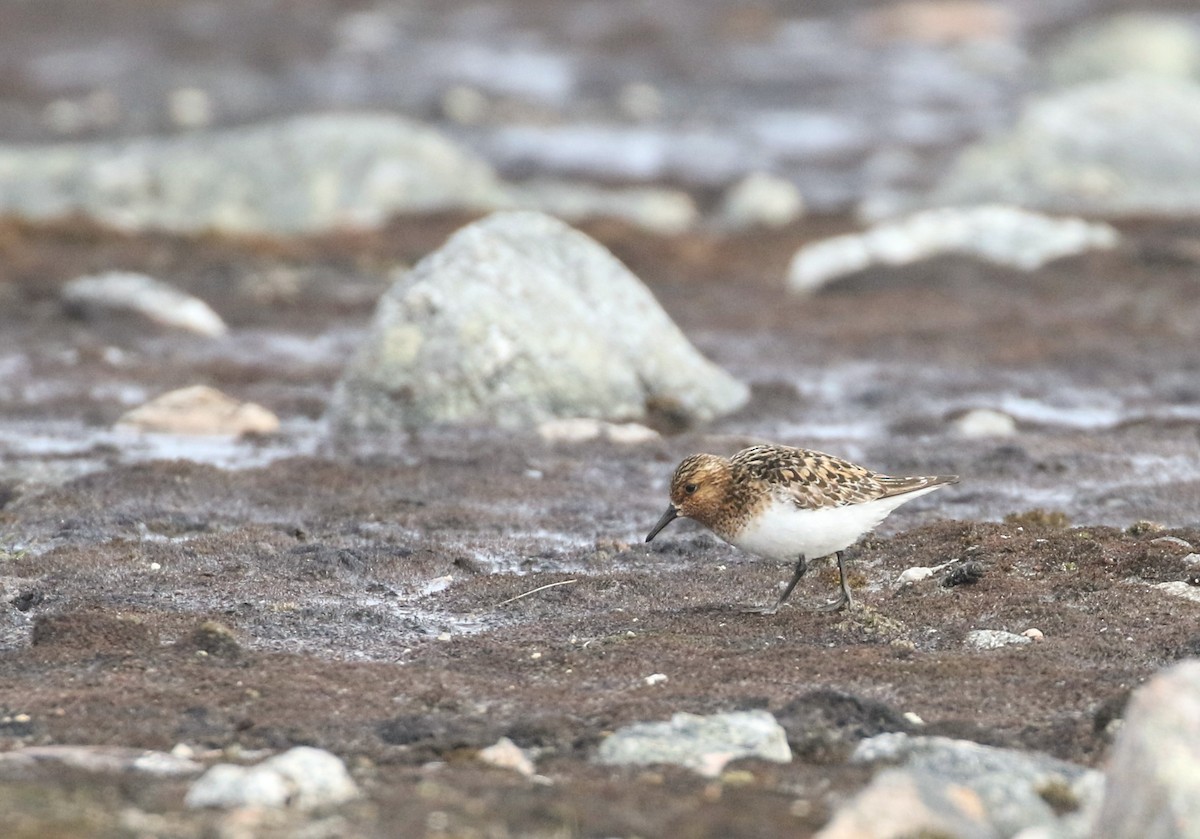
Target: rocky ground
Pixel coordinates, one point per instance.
(461, 632)
(368, 601)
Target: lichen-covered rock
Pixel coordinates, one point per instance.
(1115, 147)
(518, 319)
(304, 174)
(702, 744)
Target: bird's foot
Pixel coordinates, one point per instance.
(760, 610)
(842, 602)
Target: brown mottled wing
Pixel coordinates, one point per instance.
(813, 479)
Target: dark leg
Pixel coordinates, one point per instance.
(844, 599)
(801, 567)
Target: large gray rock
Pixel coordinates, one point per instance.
(1010, 790)
(1152, 788)
(1116, 147)
(518, 319)
(303, 174)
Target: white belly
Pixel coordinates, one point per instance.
(783, 531)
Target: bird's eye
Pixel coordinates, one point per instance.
(689, 488)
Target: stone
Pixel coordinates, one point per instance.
(151, 298)
(761, 200)
(506, 754)
(702, 744)
(226, 786)
(659, 210)
(1179, 588)
(898, 803)
(1004, 235)
(984, 422)
(1014, 789)
(315, 778)
(993, 639)
(302, 777)
(1151, 786)
(101, 759)
(199, 410)
(1128, 44)
(581, 429)
(1117, 148)
(299, 175)
(516, 320)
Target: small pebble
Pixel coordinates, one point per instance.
(445, 636)
(655, 678)
(914, 575)
(506, 754)
(1034, 633)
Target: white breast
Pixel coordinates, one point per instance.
(784, 531)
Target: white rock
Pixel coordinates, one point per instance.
(1178, 588)
(506, 754)
(147, 296)
(581, 429)
(103, 759)
(630, 433)
(702, 744)
(1001, 234)
(984, 422)
(914, 575)
(655, 679)
(315, 778)
(199, 410)
(991, 639)
(1192, 559)
(302, 777)
(761, 200)
(227, 786)
(570, 430)
(1034, 634)
(516, 320)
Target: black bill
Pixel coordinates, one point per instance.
(668, 517)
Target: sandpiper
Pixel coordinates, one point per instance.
(789, 504)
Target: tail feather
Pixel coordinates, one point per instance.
(903, 486)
